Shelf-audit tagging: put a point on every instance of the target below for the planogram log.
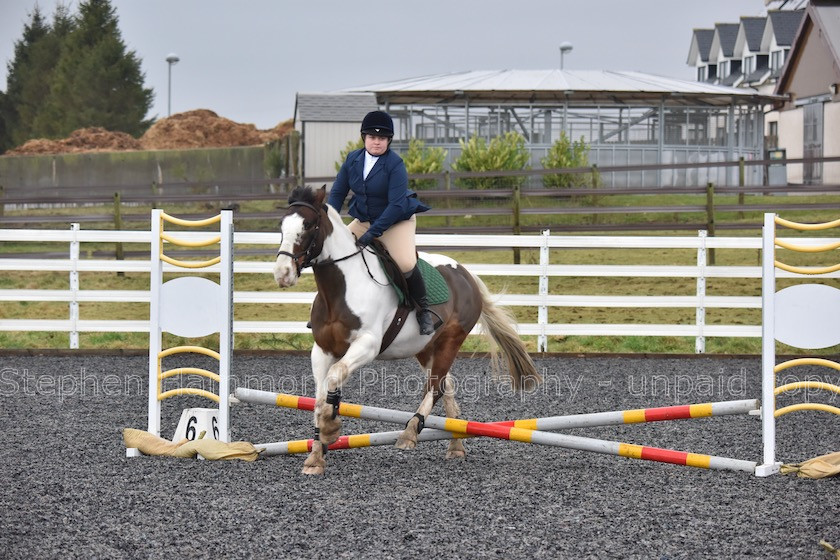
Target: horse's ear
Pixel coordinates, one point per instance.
(320, 195)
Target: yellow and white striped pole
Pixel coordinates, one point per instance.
(503, 430)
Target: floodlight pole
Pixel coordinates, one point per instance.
(565, 47)
(172, 58)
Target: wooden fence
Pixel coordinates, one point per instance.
(515, 207)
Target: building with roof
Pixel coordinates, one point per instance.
(720, 53)
(627, 118)
(755, 64)
(698, 55)
(326, 123)
(750, 53)
(809, 120)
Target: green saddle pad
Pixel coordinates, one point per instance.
(436, 288)
(437, 291)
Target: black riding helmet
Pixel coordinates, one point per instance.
(378, 123)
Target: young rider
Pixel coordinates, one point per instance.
(382, 204)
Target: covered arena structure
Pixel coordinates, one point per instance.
(627, 118)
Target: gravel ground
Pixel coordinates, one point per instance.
(69, 491)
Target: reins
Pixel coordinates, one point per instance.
(309, 254)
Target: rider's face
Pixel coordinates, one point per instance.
(376, 145)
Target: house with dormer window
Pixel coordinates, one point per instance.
(809, 120)
(721, 51)
(755, 63)
(698, 55)
(779, 32)
(750, 54)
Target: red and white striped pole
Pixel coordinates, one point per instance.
(520, 430)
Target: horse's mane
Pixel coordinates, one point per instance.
(302, 193)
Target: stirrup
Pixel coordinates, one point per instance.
(424, 319)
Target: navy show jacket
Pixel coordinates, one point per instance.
(382, 199)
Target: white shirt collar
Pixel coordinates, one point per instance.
(370, 161)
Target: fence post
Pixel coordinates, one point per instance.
(595, 198)
(447, 186)
(542, 310)
(517, 228)
(741, 182)
(710, 218)
(118, 227)
(74, 287)
(700, 315)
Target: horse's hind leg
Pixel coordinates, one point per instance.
(456, 445)
(440, 359)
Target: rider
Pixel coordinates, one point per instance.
(383, 206)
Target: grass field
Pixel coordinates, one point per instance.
(563, 285)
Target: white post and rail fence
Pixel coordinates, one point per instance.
(542, 299)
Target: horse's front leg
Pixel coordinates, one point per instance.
(330, 375)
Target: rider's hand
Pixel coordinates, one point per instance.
(364, 240)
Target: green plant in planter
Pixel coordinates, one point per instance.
(568, 154)
(421, 159)
(503, 153)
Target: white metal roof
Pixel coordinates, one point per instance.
(551, 85)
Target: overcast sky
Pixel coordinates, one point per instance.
(245, 60)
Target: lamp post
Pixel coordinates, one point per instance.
(171, 58)
(565, 47)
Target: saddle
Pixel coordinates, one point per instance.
(437, 291)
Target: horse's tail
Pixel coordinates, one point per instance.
(499, 326)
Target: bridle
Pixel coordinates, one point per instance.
(311, 251)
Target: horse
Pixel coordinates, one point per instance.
(355, 305)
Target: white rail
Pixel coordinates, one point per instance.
(542, 300)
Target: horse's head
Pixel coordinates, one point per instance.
(303, 229)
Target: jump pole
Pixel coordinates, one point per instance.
(509, 431)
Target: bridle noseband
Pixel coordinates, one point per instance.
(309, 253)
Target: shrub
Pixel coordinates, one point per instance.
(274, 160)
(351, 145)
(421, 159)
(504, 153)
(566, 154)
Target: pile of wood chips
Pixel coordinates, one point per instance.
(200, 128)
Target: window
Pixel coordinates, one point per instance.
(724, 68)
(712, 71)
(701, 73)
(777, 59)
(749, 64)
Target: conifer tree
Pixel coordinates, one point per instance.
(28, 76)
(96, 81)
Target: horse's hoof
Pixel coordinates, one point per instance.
(456, 454)
(456, 450)
(405, 443)
(313, 470)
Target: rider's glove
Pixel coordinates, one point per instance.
(365, 239)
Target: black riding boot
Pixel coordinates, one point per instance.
(417, 287)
